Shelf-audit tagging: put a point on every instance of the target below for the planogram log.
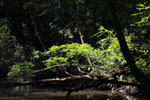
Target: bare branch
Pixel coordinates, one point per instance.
(47, 68)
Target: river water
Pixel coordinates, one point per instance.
(44, 93)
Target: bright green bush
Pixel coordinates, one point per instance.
(68, 53)
(75, 53)
(21, 71)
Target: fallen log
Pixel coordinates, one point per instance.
(96, 80)
(82, 78)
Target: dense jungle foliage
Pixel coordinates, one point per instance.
(98, 36)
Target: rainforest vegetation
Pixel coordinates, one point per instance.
(76, 44)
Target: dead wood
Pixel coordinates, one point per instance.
(55, 66)
(83, 78)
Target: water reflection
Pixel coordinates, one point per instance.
(41, 93)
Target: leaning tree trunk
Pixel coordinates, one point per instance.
(136, 72)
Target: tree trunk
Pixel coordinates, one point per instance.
(137, 73)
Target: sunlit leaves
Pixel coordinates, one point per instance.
(55, 61)
(68, 53)
(102, 31)
(72, 53)
(140, 37)
(109, 55)
(143, 7)
(21, 70)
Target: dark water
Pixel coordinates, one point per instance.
(42, 93)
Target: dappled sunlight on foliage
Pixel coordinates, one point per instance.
(42, 39)
(140, 38)
(21, 71)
